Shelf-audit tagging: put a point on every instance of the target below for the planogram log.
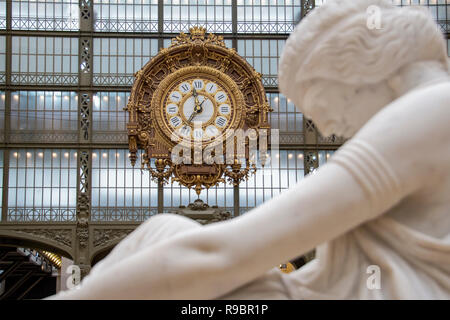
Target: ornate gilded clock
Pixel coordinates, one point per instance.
(196, 94)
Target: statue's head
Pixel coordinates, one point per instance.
(339, 63)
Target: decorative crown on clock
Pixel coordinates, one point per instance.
(197, 34)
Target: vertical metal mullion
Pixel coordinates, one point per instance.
(54, 14)
(41, 183)
(52, 112)
(133, 54)
(58, 162)
(17, 176)
(114, 114)
(26, 180)
(27, 94)
(116, 152)
(91, 155)
(132, 186)
(161, 197)
(108, 187)
(34, 177)
(61, 168)
(45, 55)
(236, 204)
(124, 168)
(51, 178)
(118, 55)
(280, 173)
(5, 185)
(9, 15)
(35, 55)
(234, 19)
(160, 23)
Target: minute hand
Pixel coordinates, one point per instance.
(192, 116)
(195, 112)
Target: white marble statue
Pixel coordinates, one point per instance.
(378, 212)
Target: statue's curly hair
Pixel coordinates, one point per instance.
(334, 43)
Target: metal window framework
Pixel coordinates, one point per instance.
(86, 88)
(306, 141)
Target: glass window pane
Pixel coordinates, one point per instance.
(39, 185)
(112, 171)
(129, 16)
(116, 60)
(58, 15)
(48, 60)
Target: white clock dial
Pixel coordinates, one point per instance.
(175, 121)
(175, 96)
(221, 121)
(172, 109)
(221, 97)
(225, 109)
(212, 131)
(198, 84)
(206, 105)
(211, 87)
(185, 87)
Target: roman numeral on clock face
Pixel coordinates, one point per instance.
(198, 84)
(175, 96)
(175, 121)
(212, 131)
(221, 121)
(172, 109)
(224, 109)
(198, 134)
(221, 97)
(185, 131)
(211, 87)
(185, 87)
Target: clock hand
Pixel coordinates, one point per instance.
(190, 119)
(192, 116)
(197, 109)
(204, 99)
(195, 94)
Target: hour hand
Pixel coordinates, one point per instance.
(200, 105)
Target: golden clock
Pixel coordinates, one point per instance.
(196, 93)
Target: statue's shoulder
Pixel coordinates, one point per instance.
(418, 119)
(426, 108)
(432, 96)
(412, 134)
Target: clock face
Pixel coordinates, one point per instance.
(198, 108)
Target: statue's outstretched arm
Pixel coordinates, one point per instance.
(211, 261)
(360, 183)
